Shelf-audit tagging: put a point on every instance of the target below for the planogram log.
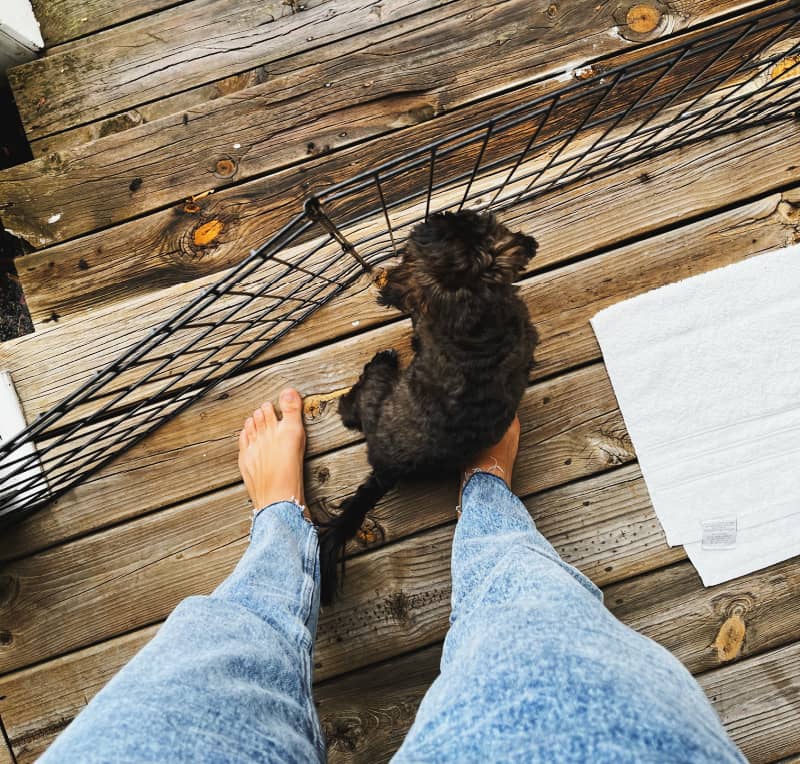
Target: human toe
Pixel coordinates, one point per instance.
(268, 412)
(260, 420)
(291, 406)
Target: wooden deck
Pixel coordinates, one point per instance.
(136, 113)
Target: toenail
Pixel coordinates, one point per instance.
(288, 396)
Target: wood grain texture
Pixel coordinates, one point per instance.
(180, 48)
(6, 753)
(107, 267)
(63, 20)
(561, 302)
(758, 701)
(402, 74)
(181, 102)
(190, 100)
(148, 255)
(366, 715)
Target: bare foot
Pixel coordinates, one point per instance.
(271, 453)
(497, 459)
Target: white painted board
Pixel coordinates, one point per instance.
(12, 421)
(20, 36)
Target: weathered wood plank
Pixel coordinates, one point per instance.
(158, 251)
(190, 100)
(180, 48)
(404, 73)
(561, 302)
(366, 714)
(669, 605)
(408, 609)
(181, 102)
(759, 703)
(62, 20)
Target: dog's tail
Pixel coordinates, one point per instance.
(338, 531)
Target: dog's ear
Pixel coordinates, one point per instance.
(400, 290)
(511, 251)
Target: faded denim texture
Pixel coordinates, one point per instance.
(534, 669)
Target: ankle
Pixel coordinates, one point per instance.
(489, 465)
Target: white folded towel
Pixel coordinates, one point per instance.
(707, 375)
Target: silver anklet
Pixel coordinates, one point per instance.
(468, 474)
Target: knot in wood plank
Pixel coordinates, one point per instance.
(314, 406)
(345, 734)
(642, 22)
(205, 234)
(786, 68)
(788, 212)
(730, 638)
(225, 167)
(370, 533)
(642, 18)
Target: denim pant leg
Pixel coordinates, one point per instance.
(228, 676)
(536, 669)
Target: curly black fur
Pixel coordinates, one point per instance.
(473, 343)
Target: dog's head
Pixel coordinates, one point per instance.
(455, 255)
(464, 249)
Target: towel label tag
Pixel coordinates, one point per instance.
(719, 533)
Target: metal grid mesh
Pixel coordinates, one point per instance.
(737, 75)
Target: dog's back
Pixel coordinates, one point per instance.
(460, 392)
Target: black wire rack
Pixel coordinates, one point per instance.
(729, 77)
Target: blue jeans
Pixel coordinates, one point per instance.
(534, 668)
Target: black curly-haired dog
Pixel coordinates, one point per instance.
(473, 347)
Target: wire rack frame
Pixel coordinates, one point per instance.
(738, 75)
